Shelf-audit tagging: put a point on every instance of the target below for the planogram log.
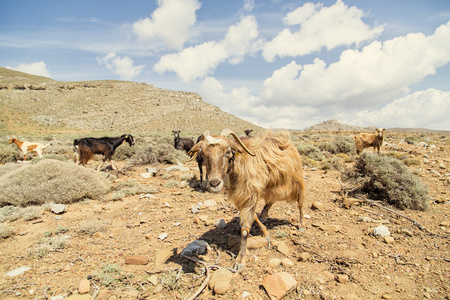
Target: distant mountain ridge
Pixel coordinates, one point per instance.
(334, 125)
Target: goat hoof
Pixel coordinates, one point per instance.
(238, 267)
(268, 241)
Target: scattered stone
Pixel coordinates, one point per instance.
(178, 168)
(386, 296)
(274, 262)
(365, 219)
(341, 278)
(79, 297)
(246, 294)
(279, 284)
(328, 275)
(304, 256)
(197, 247)
(153, 280)
(221, 281)
(136, 260)
(209, 203)
(282, 248)
(317, 206)
(196, 209)
(97, 235)
(161, 256)
(388, 239)
(17, 272)
(330, 228)
(256, 242)
(163, 236)
(84, 286)
(287, 262)
(445, 224)
(221, 224)
(158, 289)
(381, 231)
(176, 224)
(58, 208)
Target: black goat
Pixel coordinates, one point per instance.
(85, 148)
(248, 131)
(186, 144)
(182, 143)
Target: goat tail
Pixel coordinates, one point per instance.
(85, 154)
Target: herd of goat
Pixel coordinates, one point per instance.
(263, 167)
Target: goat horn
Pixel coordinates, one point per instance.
(194, 156)
(226, 132)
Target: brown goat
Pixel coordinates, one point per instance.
(266, 167)
(364, 140)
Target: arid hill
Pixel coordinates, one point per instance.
(33, 104)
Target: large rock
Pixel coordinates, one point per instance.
(221, 281)
(279, 284)
(84, 286)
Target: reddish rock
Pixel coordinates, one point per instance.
(136, 260)
(279, 284)
(84, 286)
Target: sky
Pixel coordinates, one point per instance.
(275, 63)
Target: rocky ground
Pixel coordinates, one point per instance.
(130, 248)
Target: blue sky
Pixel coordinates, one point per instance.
(278, 64)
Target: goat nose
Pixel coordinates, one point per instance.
(214, 182)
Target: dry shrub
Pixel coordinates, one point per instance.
(5, 231)
(386, 178)
(340, 144)
(51, 181)
(310, 151)
(8, 153)
(161, 151)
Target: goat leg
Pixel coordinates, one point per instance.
(263, 230)
(240, 260)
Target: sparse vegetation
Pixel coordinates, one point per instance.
(386, 178)
(310, 151)
(8, 153)
(5, 231)
(339, 145)
(92, 226)
(45, 245)
(51, 181)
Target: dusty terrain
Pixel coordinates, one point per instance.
(337, 241)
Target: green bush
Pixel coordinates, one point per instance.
(386, 178)
(310, 151)
(51, 181)
(340, 144)
(8, 153)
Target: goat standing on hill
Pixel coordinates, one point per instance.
(85, 148)
(26, 147)
(364, 140)
(180, 143)
(186, 144)
(270, 169)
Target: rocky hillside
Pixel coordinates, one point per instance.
(42, 104)
(334, 125)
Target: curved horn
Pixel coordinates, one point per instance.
(226, 132)
(194, 156)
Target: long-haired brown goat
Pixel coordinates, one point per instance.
(365, 140)
(266, 167)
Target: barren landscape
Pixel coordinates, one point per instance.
(129, 247)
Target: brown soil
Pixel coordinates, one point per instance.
(414, 266)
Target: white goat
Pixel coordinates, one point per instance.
(26, 147)
(266, 167)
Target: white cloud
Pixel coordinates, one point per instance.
(201, 60)
(425, 109)
(171, 22)
(372, 76)
(37, 68)
(328, 27)
(122, 66)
